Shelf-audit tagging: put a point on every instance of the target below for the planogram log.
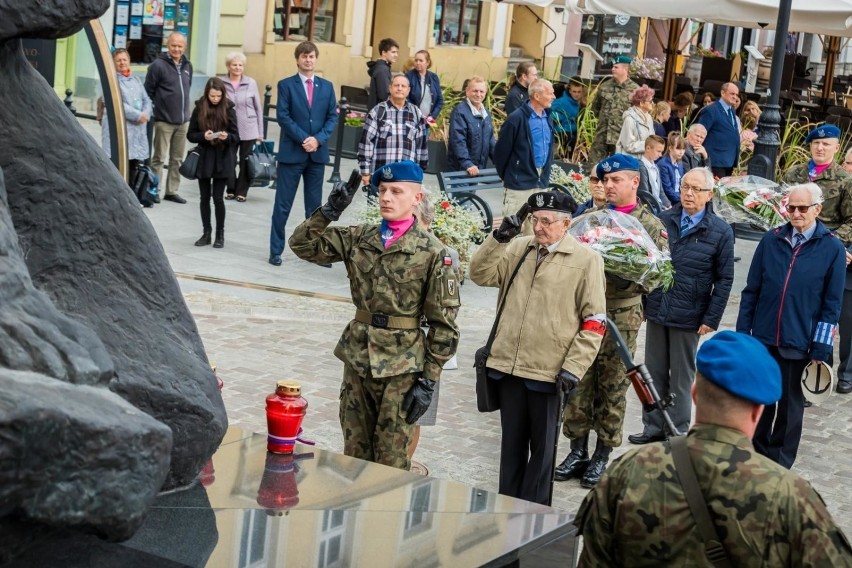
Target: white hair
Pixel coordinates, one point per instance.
(235, 56)
(812, 188)
(708, 176)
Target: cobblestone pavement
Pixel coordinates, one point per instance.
(258, 336)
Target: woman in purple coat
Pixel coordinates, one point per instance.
(242, 91)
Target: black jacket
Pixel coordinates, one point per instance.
(517, 96)
(471, 140)
(513, 153)
(704, 273)
(693, 160)
(168, 86)
(380, 78)
(215, 161)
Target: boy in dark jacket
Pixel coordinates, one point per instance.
(791, 304)
(380, 72)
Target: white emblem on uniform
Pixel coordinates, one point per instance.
(539, 200)
(387, 173)
(821, 132)
(451, 287)
(606, 167)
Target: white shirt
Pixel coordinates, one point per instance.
(653, 176)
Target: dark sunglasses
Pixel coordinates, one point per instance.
(801, 208)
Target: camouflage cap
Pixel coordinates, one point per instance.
(741, 365)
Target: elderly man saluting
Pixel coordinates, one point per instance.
(791, 304)
(601, 398)
(550, 329)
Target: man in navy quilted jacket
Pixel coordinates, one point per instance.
(791, 304)
(702, 249)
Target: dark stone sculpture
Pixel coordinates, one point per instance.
(88, 305)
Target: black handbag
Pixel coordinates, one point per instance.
(262, 165)
(488, 390)
(189, 167)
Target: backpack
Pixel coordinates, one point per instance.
(145, 185)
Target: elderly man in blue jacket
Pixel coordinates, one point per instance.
(791, 304)
(471, 140)
(723, 130)
(702, 249)
(524, 151)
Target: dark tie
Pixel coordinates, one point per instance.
(798, 239)
(733, 116)
(542, 252)
(310, 85)
(685, 225)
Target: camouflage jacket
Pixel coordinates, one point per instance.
(836, 185)
(637, 515)
(609, 104)
(617, 295)
(411, 278)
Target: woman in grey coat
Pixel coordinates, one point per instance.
(137, 112)
(242, 91)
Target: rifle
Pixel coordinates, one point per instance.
(643, 382)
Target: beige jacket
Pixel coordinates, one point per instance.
(540, 329)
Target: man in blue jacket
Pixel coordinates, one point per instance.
(472, 140)
(702, 249)
(791, 304)
(524, 151)
(307, 112)
(723, 131)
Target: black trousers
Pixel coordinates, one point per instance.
(528, 419)
(239, 184)
(216, 188)
(722, 172)
(844, 370)
(779, 430)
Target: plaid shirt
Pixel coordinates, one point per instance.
(391, 135)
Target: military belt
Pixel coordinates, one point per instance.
(615, 303)
(387, 322)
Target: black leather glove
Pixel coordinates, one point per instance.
(418, 399)
(341, 196)
(566, 382)
(511, 225)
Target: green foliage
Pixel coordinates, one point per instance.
(587, 123)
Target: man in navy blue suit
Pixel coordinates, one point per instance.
(306, 112)
(723, 131)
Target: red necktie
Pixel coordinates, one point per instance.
(310, 85)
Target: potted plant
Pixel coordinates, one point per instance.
(352, 130)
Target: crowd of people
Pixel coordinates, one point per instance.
(553, 362)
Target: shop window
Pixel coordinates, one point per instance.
(457, 22)
(300, 20)
(143, 26)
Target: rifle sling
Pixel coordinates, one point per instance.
(713, 548)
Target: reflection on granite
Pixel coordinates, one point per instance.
(321, 509)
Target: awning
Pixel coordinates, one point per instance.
(539, 3)
(829, 17)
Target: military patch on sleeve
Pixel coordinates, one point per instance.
(451, 286)
(664, 234)
(448, 261)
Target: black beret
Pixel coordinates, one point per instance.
(552, 201)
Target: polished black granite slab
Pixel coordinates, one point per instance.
(321, 509)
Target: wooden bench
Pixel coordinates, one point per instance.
(463, 187)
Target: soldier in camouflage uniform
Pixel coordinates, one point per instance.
(836, 186)
(609, 104)
(763, 514)
(398, 272)
(601, 401)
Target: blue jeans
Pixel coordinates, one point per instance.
(285, 193)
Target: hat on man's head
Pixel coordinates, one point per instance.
(823, 131)
(552, 201)
(741, 365)
(627, 60)
(406, 170)
(616, 163)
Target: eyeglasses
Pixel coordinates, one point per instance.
(543, 222)
(800, 208)
(693, 189)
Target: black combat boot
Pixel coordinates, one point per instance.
(220, 239)
(204, 240)
(599, 460)
(576, 462)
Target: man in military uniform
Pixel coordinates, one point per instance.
(609, 104)
(763, 514)
(836, 186)
(551, 326)
(600, 401)
(398, 273)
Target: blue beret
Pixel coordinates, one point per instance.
(622, 59)
(552, 201)
(405, 170)
(740, 365)
(824, 131)
(616, 163)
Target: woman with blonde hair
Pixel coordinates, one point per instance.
(638, 124)
(242, 91)
(661, 114)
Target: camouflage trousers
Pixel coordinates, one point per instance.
(372, 418)
(601, 398)
(599, 149)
